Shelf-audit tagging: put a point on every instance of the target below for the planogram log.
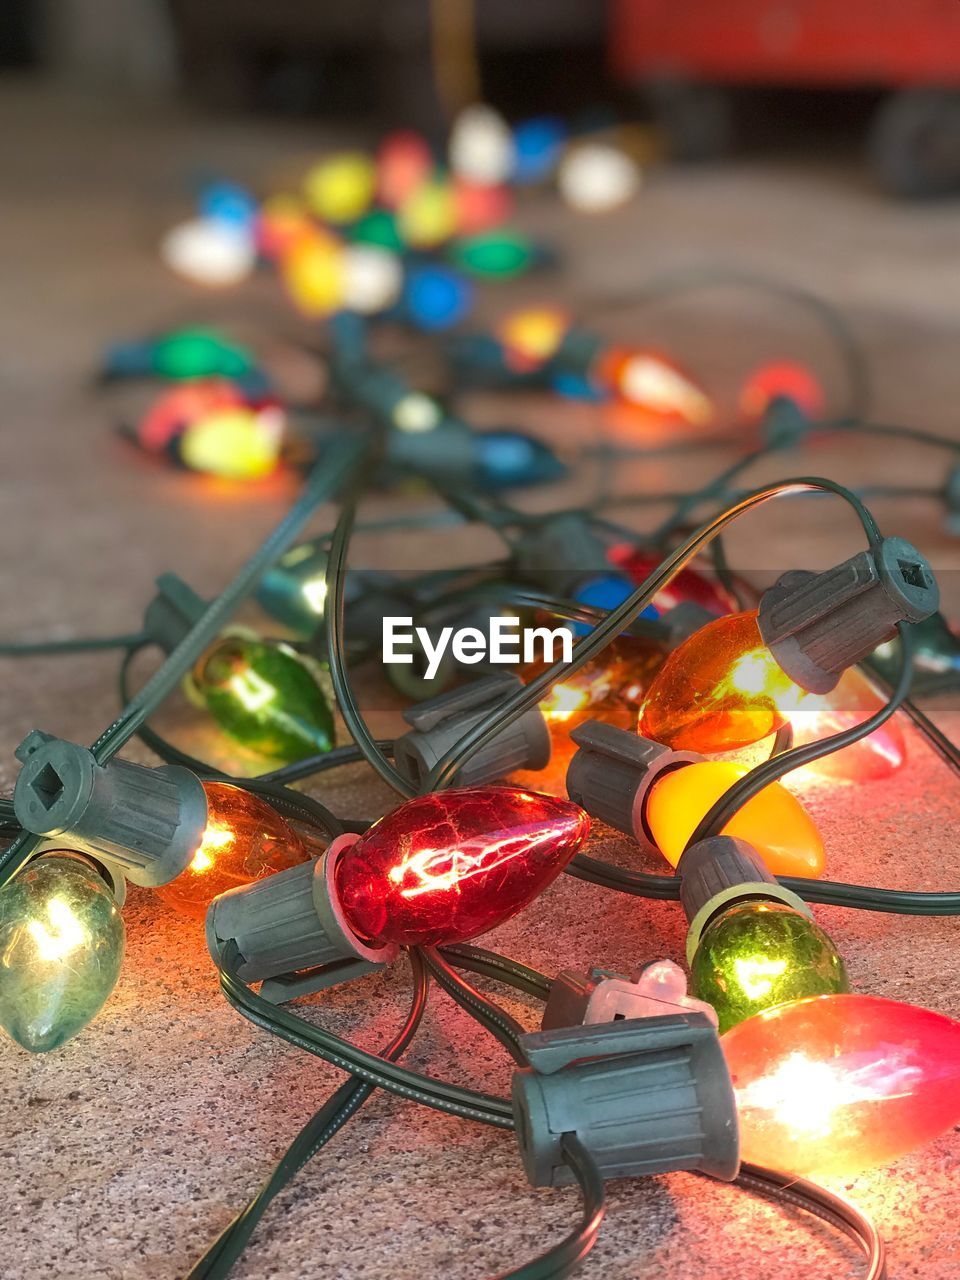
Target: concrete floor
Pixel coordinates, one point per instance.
(127, 1151)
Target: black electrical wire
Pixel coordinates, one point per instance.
(340, 1107)
(376, 1070)
(81, 644)
(336, 652)
(481, 733)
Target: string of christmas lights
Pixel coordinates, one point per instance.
(768, 1058)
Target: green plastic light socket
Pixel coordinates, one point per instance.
(612, 773)
(440, 723)
(817, 625)
(290, 926)
(719, 872)
(643, 1095)
(149, 822)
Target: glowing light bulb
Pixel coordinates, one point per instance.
(537, 145)
(721, 689)
(879, 755)
(495, 254)
(480, 207)
(379, 228)
(609, 688)
(312, 272)
(238, 442)
(481, 146)
(169, 416)
(341, 187)
(428, 216)
(781, 380)
(417, 412)
(245, 839)
(209, 252)
(595, 177)
(436, 297)
(504, 459)
(198, 353)
(531, 336)
(294, 590)
(654, 384)
(447, 867)
(283, 219)
(372, 278)
(689, 585)
(774, 821)
(830, 1086)
(757, 955)
(61, 947)
(404, 162)
(228, 202)
(264, 696)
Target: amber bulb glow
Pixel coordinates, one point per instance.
(449, 866)
(615, 681)
(245, 839)
(774, 821)
(879, 755)
(720, 690)
(836, 1084)
(531, 336)
(651, 382)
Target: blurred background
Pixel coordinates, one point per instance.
(873, 81)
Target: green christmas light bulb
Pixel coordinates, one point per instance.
(760, 954)
(262, 694)
(494, 254)
(199, 353)
(61, 947)
(378, 228)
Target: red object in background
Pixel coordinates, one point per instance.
(688, 585)
(449, 866)
(480, 207)
(167, 417)
(879, 755)
(781, 380)
(404, 163)
(869, 42)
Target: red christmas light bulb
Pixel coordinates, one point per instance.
(836, 1084)
(245, 839)
(720, 690)
(781, 380)
(167, 418)
(689, 585)
(452, 865)
(879, 755)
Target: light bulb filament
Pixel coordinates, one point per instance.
(252, 690)
(756, 974)
(63, 935)
(439, 869)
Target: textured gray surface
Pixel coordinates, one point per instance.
(124, 1153)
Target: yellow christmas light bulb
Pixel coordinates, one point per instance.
(774, 821)
(237, 443)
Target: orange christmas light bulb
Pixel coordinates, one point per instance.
(245, 839)
(720, 690)
(836, 1084)
(774, 821)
